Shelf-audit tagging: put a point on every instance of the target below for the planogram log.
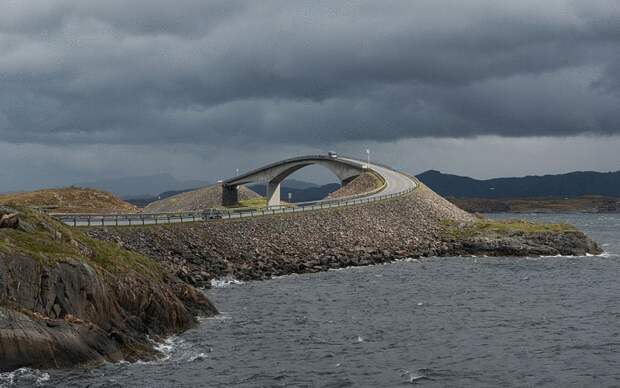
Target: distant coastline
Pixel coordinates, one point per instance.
(583, 204)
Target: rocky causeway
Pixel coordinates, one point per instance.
(419, 224)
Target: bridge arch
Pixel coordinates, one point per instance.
(274, 173)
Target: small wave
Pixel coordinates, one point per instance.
(23, 376)
(408, 260)
(413, 377)
(604, 254)
(197, 357)
(222, 316)
(165, 347)
(224, 282)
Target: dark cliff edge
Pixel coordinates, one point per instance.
(420, 224)
(66, 299)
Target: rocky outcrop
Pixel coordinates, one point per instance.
(569, 243)
(257, 248)
(66, 299)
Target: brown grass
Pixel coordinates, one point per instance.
(70, 200)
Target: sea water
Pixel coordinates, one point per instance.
(433, 322)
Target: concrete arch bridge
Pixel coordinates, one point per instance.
(345, 169)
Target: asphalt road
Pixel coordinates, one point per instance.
(396, 182)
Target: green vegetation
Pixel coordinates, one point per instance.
(49, 242)
(255, 203)
(488, 227)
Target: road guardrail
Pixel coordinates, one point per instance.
(210, 214)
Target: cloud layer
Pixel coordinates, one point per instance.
(306, 73)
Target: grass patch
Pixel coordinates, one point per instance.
(255, 203)
(487, 227)
(50, 242)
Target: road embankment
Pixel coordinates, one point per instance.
(419, 224)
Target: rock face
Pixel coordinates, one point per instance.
(65, 300)
(257, 248)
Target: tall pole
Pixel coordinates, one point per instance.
(368, 157)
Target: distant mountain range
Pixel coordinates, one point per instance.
(574, 184)
(145, 189)
(309, 193)
(142, 186)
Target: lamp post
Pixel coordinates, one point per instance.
(368, 156)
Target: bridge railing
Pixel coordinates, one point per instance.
(210, 214)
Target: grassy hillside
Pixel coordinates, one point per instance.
(49, 241)
(70, 200)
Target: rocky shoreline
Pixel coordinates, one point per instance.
(417, 225)
(68, 300)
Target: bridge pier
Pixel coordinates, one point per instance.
(230, 195)
(273, 194)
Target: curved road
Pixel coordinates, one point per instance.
(396, 184)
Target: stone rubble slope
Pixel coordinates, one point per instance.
(414, 225)
(196, 200)
(260, 247)
(361, 184)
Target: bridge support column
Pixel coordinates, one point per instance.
(273, 194)
(230, 195)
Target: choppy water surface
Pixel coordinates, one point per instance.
(435, 322)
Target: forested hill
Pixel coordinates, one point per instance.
(573, 184)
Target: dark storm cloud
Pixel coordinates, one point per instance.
(214, 72)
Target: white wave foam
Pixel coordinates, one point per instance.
(224, 282)
(198, 357)
(23, 376)
(165, 347)
(604, 254)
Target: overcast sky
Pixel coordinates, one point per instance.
(198, 88)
